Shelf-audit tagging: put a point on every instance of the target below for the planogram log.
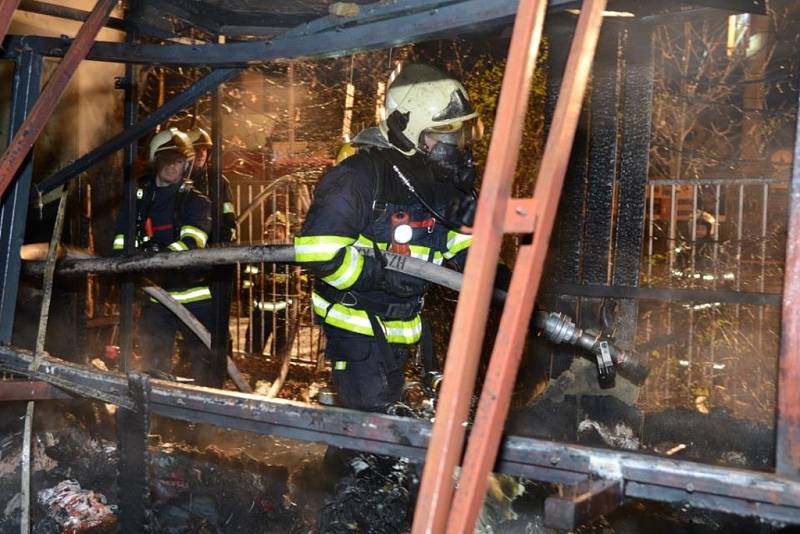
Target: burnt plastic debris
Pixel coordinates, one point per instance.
(76, 509)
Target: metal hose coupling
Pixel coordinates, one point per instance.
(559, 328)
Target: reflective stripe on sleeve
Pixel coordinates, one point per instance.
(200, 237)
(119, 242)
(319, 247)
(227, 207)
(456, 242)
(349, 271)
(178, 246)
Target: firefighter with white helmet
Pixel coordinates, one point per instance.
(393, 194)
(172, 216)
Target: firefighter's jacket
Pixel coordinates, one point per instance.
(200, 183)
(176, 218)
(352, 211)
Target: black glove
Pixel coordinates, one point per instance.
(402, 285)
(149, 248)
(461, 211)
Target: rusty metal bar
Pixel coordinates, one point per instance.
(23, 141)
(460, 371)
(787, 453)
(29, 390)
(582, 503)
(498, 384)
(7, 8)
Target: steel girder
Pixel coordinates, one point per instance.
(736, 491)
(14, 204)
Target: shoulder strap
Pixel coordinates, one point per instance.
(378, 189)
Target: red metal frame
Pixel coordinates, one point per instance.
(787, 452)
(498, 213)
(30, 130)
(7, 8)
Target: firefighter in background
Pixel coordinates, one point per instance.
(696, 261)
(202, 144)
(394, 194)
(172, 216)
(269, 293)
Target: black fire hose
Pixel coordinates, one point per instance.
(556, 327)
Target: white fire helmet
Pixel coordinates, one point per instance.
(170, 139)
(423, 99)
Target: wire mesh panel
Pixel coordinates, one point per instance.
(273, 315)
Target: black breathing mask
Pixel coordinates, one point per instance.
(453, 164)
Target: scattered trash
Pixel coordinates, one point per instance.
(76, 509)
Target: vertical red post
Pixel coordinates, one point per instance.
(30, 130)
(473, 306)
(787, 452)
(495, 399)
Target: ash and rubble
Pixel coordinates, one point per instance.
(74, 472)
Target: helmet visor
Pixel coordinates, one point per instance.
(458, 134)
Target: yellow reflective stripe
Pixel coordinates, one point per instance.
(349, 319)
(319, 247)
(178, 246)
(438, 258)
(365, 242)
(200, 237)
(119, 242)
(227, 207)
(456, 242)
(348, 272)
(340, 365)
(420, 252)
(355, 320)
(405, 332)
(191, 295)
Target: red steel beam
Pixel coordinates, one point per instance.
(447, 439)
(30, 130)
(787, 452)
(7, 8)
(484, 438)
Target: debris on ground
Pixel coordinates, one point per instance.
(76, 509)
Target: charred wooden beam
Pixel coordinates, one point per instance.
(732, 490)
(133, 427)
(582, 503)
(668, 293)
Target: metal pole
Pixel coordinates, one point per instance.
(14, 205)
(223, 274)
(127, 288)
(498, 385)
(473, 307)
(22, 142)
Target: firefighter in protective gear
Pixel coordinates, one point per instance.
(393, 194)
(172, 216)
(202, 144)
